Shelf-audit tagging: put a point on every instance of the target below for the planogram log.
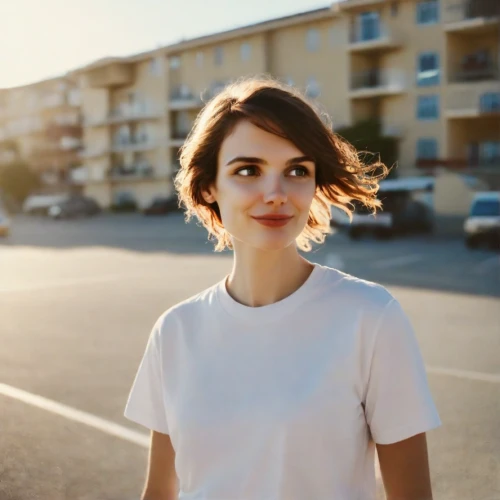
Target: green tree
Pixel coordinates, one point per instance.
(366, 136)
(17, 181)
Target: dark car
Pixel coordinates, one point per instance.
(74, 207)
(400, 215)
(124, 202)
(162, 206)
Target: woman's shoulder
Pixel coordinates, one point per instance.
(188, 309)
(355, 291)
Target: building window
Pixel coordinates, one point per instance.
(428, 107)
(312, 40)
(428, 69)
(312, 89)
(427, 148)
(490, 153)
(218, 56)
(199, 59)
(394, 9)
(368, 27)
(428, 12)
(489, 102)
(155, 66)
(245, 51)
(175, 62)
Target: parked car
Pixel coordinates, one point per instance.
(124, 202)
(162, 206)
(403, 211)
(39, 204)
(482, 226)
(74, 207)
(4, 223)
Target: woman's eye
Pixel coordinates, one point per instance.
(302, 172)
(247, 171)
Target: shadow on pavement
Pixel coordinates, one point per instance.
(445, 266)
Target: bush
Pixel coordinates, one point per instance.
(17, 181)
(366, 137)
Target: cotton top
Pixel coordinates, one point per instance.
(284, 401)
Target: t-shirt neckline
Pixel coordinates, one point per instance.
(271, 311)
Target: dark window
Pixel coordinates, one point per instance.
(486, 208)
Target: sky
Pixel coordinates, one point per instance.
(41, 39)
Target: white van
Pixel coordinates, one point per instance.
(40, 203)
(483, 223)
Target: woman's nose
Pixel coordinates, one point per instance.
(275, 191)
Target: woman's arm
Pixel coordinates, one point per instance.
(405, 469)
(161, 481)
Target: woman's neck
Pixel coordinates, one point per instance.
(260, 278)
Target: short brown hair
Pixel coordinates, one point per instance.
(341, 176)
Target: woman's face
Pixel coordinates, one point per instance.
(260, 174)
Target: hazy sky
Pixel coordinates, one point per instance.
(43, 38)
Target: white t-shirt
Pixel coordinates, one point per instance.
(284, 401)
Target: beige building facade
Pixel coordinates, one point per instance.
(426, 70)
(40, 125)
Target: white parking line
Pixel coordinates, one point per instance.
(75, 415)
(465, 374)
(403, 260)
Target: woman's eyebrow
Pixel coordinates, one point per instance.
(260, 161)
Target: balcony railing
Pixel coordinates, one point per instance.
(378, 81)
(459, 163)
(374, 35)
(130, 172)
(473, 101)
(467, 10)
(477, 74)
(131, 144)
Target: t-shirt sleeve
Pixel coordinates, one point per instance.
(398, 402)
(146, 404)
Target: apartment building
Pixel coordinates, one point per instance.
(432, 68)
(125, 128)
(427, 70)
(40, 125)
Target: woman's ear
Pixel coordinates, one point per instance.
(208, 195)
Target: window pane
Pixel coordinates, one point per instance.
(246, 51)
(428, 107)
(312, 40)
(427, 148)
(218, 55)
(428, 69)
(427, 12)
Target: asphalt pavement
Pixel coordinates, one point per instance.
(78, 300)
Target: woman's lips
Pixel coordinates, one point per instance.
(273, 221)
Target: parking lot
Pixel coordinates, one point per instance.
(77, 302)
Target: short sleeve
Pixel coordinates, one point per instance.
(398, 402)
(146, 405)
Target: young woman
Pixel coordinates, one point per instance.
(280, 381)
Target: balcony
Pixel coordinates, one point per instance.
(133, 145)
(178, 138)
(112, 75)
(472, 16)
(476, 67)
(395, 130)
(125, 114)
(374, 37)
(94, 152)
(473, 100)
(182, 98)
(462, 164)
(377, 83)
(135, 172)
